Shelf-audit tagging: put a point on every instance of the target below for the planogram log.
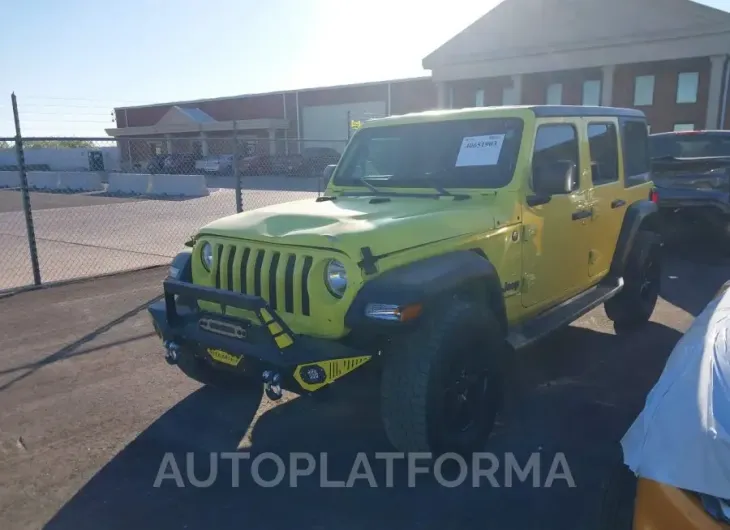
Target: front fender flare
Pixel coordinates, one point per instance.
(182, 263)
(424, 282)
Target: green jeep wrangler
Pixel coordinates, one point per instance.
(445, 242)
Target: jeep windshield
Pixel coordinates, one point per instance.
(475, 153)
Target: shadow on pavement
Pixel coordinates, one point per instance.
(692, 275)
(74, 349)
(581, 390)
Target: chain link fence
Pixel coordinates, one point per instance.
(74, 208)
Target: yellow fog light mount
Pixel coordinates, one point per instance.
(392, 312)
(315, 375)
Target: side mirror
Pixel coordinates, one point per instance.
(327, 173)
(554, 178)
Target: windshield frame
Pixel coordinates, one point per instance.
(476, 181)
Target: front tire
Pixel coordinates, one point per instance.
(634, 305)
(441, 386)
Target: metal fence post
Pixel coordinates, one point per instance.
(25, 195)
(236, 173)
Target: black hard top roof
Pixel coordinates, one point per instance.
(554, 111)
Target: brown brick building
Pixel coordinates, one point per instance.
(668, 58)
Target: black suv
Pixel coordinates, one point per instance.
(691, 171)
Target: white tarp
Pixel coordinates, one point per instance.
(682, 437)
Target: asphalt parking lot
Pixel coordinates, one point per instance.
(88, 409)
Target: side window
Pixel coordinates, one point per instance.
(603, 145)
(555, 142)
(635, 144)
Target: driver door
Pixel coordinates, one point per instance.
(555, 250)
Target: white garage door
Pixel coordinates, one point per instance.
(327, 125)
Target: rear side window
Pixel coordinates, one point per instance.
(603, 145)
(556, 142)
(636, 152)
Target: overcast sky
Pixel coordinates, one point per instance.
(70, 62)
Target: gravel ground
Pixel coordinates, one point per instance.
(88, 409)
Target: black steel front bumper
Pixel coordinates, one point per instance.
(178, 318)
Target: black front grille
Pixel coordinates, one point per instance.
(281, 278)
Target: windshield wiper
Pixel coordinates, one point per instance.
(433, 181)
(442, 192)
(368, 185)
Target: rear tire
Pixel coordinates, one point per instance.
(634, 305)
(441, 387)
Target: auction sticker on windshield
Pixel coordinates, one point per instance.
(480, 150)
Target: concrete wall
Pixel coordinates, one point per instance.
(158, 185)
(71, 181)
(63, 159)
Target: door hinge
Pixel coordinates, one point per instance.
(528, 232)
(528, 280)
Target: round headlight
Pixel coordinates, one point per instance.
(206, 255)
(335, 278)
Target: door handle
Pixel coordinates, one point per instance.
(618, 203)
(582, 214)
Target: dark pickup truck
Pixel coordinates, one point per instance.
(691, 172)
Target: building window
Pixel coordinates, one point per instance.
(509, 96)
(687, 86)
(556, 142)
(554, 94)
(603, 145)
(480, 98)
(592, 93)
(680, 127)
(644, 91)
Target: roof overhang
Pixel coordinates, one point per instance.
(216, 126)
(576, 56)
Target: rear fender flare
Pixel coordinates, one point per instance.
(641, 215)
